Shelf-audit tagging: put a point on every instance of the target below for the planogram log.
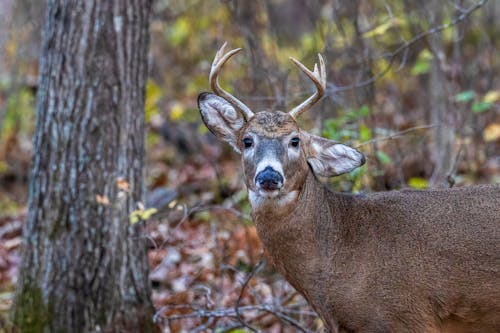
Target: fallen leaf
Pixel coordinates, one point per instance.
(142, 215)
(492, 133)
(122, 184)
(492, 96)
(102, 199)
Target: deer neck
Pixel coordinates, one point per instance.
(287, 210)
(290, 233)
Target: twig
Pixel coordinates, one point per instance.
(219, 313)
(201, 208)
(204, 327)
(236, 312)
(243, 287)
(396, 135)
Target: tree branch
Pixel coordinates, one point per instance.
(396, 135)
(236, 313)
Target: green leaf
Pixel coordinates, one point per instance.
(4, 167)
(421, 67)
(133, 219)
(418, 183)
(382, 28)
(331, 129)
(364, 111)
(18, 113)
(179, 31)
(423, 63)
(481, 107)
(383, 157)
(153, 95)
(357, 173)
(352, 115)
(177, 111)
(142, 215)
(346, 134)
(365, 133)
(465, 96)
(204, 216)
(307, 42)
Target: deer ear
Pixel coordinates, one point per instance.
(221, 118)
(328, 158)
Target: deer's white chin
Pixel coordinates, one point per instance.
(259, 198)
(268, 194)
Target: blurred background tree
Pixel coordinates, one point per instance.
(416, 85)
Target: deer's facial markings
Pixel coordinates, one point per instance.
(273, 158)
(263, 163)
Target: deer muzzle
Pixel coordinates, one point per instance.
(269, 180)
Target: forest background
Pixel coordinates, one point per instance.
(414, 85)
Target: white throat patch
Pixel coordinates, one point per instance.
(260, 198)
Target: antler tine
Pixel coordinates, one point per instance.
(219, 60)
(319, 80)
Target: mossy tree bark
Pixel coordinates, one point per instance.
(84, 266)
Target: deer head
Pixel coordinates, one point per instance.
(276, 153)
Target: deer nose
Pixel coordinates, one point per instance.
(269, 179)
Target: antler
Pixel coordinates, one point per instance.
(219, 61)
(319, 80)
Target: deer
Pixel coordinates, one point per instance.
(423, 261)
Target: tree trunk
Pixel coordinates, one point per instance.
(84, 266)
(441, 114)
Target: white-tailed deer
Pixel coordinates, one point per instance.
(400, 261)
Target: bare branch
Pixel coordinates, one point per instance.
(396, 135)
(243, 287)
(238, 316)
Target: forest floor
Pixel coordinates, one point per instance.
(205, 276)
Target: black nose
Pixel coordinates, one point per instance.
(269, 179)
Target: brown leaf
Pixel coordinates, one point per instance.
(122, 184)
(102, 199)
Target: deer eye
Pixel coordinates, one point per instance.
(248, 142)
(294, 142)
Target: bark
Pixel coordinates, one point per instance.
(84, 266)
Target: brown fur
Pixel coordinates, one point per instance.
(407, 261)
(271, 124)
(401, 261)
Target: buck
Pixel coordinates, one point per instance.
(399, 261)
